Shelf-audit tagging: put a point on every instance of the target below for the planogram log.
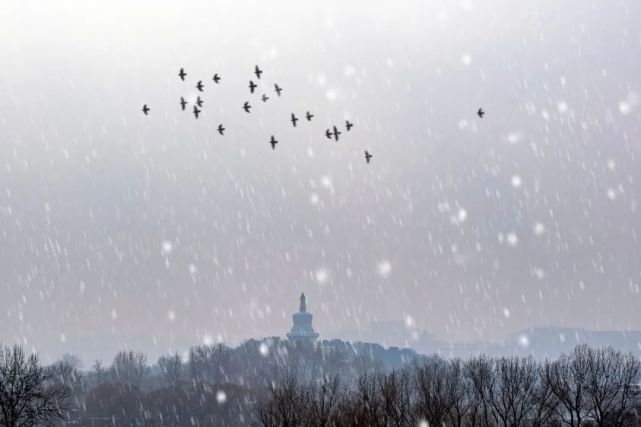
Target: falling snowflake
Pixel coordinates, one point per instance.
(625, 107)
(409, 321)
(514, 137)
(384, 268)
(264, 349)
(612, 164)
(167, 247)
(322, 275)
(539, 273)
(512, 239)
(221, 397)
(524, 341)
(462, 215)
(539, 228)
(349, 71)
(331, 94)
(562, 107)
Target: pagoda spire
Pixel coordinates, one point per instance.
(302, 332)
(303, 305)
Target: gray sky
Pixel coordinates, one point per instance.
(155, 233)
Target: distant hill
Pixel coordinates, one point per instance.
(541, 342)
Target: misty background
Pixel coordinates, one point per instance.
(155, 233)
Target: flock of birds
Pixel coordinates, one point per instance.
(332, 133)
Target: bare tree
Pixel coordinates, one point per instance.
(29, 393)
(395, 394)
(566, 378)
(321, 400)
(129, 367)
(207, 363)
(514, 386)
(481, 377)
(171, 368)
(460, 392)
(609, 381)
(99, 372)
(545, 401)
(629, 402)
(435, 397)
(364, 406)
(67, 371)
(283, 406)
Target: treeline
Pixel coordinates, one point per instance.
(588, 387)
(275, 383)
(209, 385)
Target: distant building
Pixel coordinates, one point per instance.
(302, 331)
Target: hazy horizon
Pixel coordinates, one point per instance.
(153, 231)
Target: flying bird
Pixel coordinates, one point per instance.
(273, 142)
(200, 85)
(309, 116)
(480, 113)
(246, 106)
(182, 74)
(332, 134)
(348, 125)
(145, 109)
(183, 103)
(294, 119)
(196, 111)
(221, 129)
(265, 97)
(258, 72)
(368, 156)
(216, 78)
(199, 102)
(252, 86)
(278, 89)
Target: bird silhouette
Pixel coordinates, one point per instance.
(294, 119)
(182, 74)
(246, 106)
(480, 113)
(183, 103)
(252, 86)
(273, 142)
(368, 156)
(221, 129)
(145, 109)
(196, 112)
(258, 72)
(333, 134)
(278, 89)
(216, 78)
(265, 98)
(200, 85)
(309, 116)
(348, 125)
(199, 102)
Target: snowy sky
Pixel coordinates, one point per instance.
(155, 233)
